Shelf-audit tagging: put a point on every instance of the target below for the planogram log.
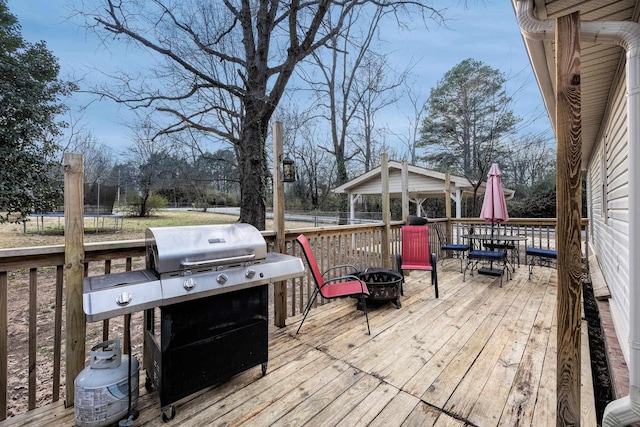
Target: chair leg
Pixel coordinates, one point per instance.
(307, 308)
(434, 273)
(399, 267)
(464, 273)
(363, 301)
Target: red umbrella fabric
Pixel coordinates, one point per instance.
(494, 205)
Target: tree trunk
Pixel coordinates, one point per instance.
(143, 205)
(252, 163)
(342, 178)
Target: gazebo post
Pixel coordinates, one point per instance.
(447, 206)
(386, 213)
(405, 191)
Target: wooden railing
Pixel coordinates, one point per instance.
(538, 232)
(359, 245)
(32, 340)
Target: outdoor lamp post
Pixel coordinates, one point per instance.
(288, 170)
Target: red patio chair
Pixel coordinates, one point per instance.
(416, 254)
(336, 287)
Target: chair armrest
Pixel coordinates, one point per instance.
(349, 278)
(341, 266)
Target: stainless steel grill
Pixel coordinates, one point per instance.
(204, 293)
(185, 263)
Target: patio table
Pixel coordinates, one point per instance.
(503, 241)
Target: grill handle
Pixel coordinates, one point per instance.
(217, 261)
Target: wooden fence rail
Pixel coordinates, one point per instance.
(31, 375)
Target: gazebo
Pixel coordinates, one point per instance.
(419, 184)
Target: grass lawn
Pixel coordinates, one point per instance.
(52, 232)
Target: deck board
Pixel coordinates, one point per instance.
(479, 355)
(491, 401)
(369, 408)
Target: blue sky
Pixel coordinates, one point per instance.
(484, 30)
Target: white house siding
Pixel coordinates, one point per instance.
(610, 232)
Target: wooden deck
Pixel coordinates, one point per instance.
(480, 355)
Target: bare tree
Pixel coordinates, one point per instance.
(414, 118)
(375, 90)
(98, 157)
(223, 66)
(339, 98)
(153, 164)
(529, 162)
(303, 135)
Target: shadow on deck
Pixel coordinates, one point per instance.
(480, 355)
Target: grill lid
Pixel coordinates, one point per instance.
(171, 249)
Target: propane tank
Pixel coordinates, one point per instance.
(101, 389)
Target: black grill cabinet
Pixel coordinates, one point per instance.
(204, 342)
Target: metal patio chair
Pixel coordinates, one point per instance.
(456, 249)
(336, 287)
(416, 254)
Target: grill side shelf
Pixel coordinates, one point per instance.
(112, 295)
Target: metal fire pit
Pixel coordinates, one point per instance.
(205, 296)
(383, 284)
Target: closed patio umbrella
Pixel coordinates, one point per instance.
(494, 205)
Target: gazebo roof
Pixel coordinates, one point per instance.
(422, 183)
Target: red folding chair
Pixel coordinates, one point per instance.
(416, 254)
(337, 287)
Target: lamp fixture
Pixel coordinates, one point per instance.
(288, 170)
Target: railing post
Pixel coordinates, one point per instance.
(447, 207)
(4, 325)
(279, 288)
(74, 267)
(569, 209)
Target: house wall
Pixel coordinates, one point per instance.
(607, 194)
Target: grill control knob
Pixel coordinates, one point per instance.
(189, 283)
(222, 279)
(124, 299)
(250, 273)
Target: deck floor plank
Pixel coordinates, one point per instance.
(479, 355)
(587, 396)
(316, 401)
(482, 326)
(313, 361)
(471, 386)
(342, 406)
(491, 400)
(368, 409)
(401, 337)
(396, 411)
(519, 408)
(451, 361)
(278, 399)
(544, 412)
(428, 340)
